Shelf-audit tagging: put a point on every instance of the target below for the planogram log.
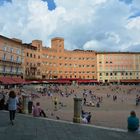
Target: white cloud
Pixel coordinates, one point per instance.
(92, 45)
(93, 24)
(134, 24)
(112, 37)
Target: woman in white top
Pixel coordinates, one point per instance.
(12, 105)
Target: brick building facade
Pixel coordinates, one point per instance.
(34, 61)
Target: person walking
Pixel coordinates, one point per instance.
(12, 106)
(133, 122)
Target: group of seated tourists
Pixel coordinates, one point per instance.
(86, 116)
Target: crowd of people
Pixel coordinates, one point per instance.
(12, 100)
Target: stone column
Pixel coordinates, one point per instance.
(77, 110)
(25, 100)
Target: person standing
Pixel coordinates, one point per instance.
(55, 103)
(2, 102)
(12, 105)
(133, 122)
(30, 105)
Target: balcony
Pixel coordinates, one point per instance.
(10, 61)
(10, 73)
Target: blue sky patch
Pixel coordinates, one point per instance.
(51, 4)
(3, 1)
(127, 1)
(137, 14)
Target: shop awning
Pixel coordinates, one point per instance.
(87, 81)
(6, 80)
(130, 81)
(18, 80)
(11, 80)
(113, 81)
(59, 81)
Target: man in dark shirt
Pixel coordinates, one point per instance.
(133, 122)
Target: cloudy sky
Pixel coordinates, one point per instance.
(101, 25)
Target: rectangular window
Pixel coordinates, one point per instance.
(4, 57)
(4, 69)
(4, 48)
(11, 69)
(11, 58)
(18, 59)
(18, 52)
(11, 50)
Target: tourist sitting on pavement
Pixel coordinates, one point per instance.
(37, 111)
(86, 116)
(90, 103)
(83, 113)
(133, 122)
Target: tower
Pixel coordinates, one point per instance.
(57, 44)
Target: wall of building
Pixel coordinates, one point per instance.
(11, 57)
(113, 67)
(60, 63)
(137, 66)
(32, 61)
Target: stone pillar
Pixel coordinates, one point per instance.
(25, 103)
(77, 110)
